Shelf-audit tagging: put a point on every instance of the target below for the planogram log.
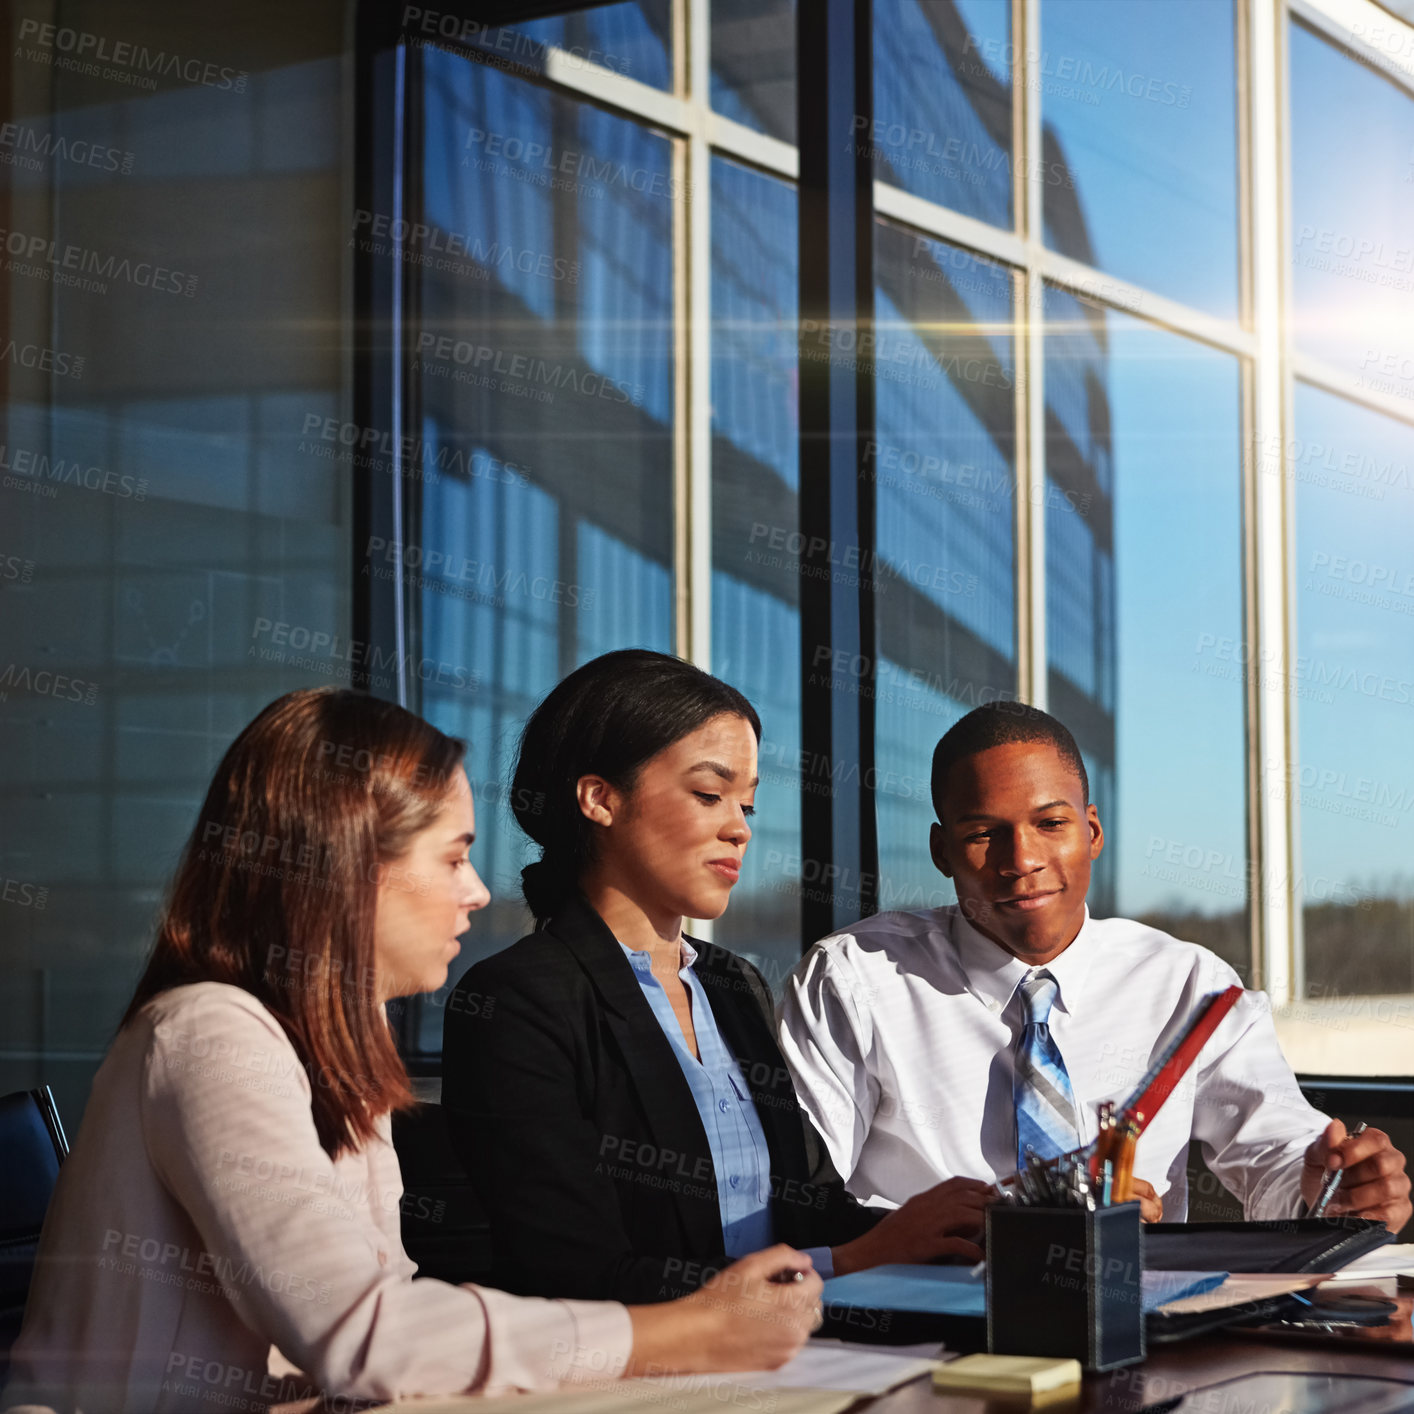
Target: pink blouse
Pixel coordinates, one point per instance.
(198, 1223)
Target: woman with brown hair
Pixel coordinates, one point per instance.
(233, 1186)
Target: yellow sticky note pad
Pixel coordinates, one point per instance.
(1027, 1375)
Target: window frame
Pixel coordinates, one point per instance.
(1258, 338)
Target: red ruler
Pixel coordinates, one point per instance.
(1171, 1067)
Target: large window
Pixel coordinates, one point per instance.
(755, 560)
(1351, 778)
(1352, 216)
(753, 64)
(544, 387)
(1161, 605)
(1139, 155)
(942, 125)
(1127, 494)
(1349, 465)
(945, 569)
(1143, 571)
(1143, 387)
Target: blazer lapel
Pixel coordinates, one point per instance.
(653, 1068)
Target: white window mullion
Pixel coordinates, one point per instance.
(692, 439)
(1368, 31)
(1353, 387)
(1031, 469)
(698, 204)
(1276, 958)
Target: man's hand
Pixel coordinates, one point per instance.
(1374, 1183)
(943, 1221)
(1151, 1206)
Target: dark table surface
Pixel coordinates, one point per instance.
(1169, 1370)
(1173, 1369)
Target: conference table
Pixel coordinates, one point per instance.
(1168, 1371)
(1172, 1369)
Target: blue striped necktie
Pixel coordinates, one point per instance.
(1045, 1103)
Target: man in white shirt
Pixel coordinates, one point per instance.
(919, 1045)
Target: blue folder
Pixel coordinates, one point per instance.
(954, 1291)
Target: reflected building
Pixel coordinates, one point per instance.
(570, 472)
(184, 476)
(189, 548)
(947, 479)
(544, 384)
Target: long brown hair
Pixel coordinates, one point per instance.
(278, 882)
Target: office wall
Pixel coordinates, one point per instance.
(173, 198)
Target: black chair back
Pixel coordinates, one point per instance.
(33, 1145)
(444, 1228)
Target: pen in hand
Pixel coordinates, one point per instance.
(1331, 1181)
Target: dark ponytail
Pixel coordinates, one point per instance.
(546, 885)
(607, 719)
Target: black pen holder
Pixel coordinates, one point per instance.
(1066, 1282)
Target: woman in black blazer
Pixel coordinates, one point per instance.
(584, 1065)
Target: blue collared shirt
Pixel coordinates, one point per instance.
(740, 1158)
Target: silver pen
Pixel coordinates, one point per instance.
(1331, 1181)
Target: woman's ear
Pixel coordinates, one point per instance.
(597, 799)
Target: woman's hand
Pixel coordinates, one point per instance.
(740, 1320)
(943, 1221)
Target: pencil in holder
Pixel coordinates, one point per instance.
(1066, 1282)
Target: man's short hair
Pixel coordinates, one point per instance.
(1002, 724)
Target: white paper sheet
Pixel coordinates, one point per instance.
(826, 1377)
(1241, 1288)
(1385, 1261)
(822, 1364)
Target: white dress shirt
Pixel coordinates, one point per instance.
(901, 1036)
(198, 1223)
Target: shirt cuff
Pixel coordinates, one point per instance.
(824, 1259)
(536, 1344)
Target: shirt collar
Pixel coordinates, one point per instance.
(643, 961)
(993, 974)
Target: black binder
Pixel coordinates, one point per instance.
(1298, 1245)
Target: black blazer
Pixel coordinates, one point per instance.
(566, 1104)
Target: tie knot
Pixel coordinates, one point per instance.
(1038, 994)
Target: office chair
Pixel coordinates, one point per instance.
(444, 1228)
(33, 1143)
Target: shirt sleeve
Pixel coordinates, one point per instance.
(826, 1042)
(1249, 1114)
(232, 1138)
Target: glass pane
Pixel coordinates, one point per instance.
(634, 39)
(1144, 613)
(1354, 682)
(1352, 215)
(753, 64)
(545, 382)
(755, 585)
(1139, 143)
(176, 528)
(942, 102)
(944, 472)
